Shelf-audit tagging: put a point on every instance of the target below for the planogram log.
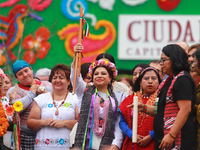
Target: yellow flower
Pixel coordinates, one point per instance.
(106, 61)
(18, 106)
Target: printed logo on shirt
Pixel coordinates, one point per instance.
(67, 104)
(50, 105)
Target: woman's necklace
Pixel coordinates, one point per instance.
(54, 104)
(151, 101)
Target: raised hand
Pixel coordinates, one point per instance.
(78, 48)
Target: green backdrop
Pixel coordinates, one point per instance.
(54, 20)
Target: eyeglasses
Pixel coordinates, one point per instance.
(163, 60)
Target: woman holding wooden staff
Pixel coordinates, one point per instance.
(174, 125)
(81, 86)
(77, 55)
(145, 86)
(98, 125)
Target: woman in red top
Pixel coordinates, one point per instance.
(145, 86)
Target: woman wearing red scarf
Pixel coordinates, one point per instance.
(145, 87)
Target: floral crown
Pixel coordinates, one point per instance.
(2, 74)
(103, 63)
(148, 68)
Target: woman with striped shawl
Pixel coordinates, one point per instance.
(174, 125)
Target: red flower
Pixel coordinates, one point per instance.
(36, 141)
(6, 106)
(47, 141)
(10, 110)
(38, 46)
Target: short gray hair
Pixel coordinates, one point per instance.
(43, 72)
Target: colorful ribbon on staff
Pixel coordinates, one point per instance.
(86, 27)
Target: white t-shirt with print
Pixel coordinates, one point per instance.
(51, 137)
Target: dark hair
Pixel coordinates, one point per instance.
(127, 79)
(197, 55)
(142, 65)
(110, 72)
(1, 83)
(107, 56)
(136, 86)
(178, 58)
(85, 69)
(59, 68)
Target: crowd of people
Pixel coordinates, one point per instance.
(100, 113)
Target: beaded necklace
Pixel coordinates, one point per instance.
(54, 104)
(150, 101)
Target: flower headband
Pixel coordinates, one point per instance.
(2, 74)
(148, 68)
(103, 63)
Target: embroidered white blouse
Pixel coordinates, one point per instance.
(51, 137)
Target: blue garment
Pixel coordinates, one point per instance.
(127, 131)
(124, 127)
(165, 77)
(19, 65)
(151, 133)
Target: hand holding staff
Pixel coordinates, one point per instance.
(78, 54)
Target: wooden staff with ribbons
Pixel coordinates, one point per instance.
(78, 55)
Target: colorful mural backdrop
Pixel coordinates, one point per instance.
(43, 32)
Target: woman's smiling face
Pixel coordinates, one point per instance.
(59, 81)
(101, 77)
